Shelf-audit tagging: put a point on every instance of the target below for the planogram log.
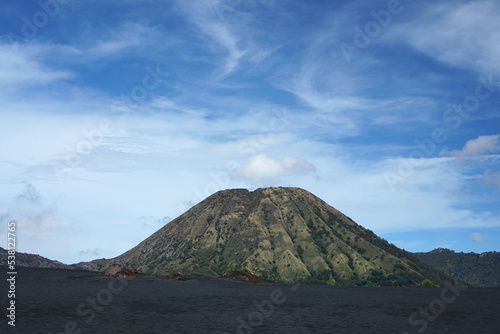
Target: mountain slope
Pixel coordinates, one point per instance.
(481, 270)
(281, 234)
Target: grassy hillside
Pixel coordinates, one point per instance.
(481, 270)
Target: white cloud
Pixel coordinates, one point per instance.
(476, 147)
(91, 252)
(262, 167)
(460, 34)
(480, 145)
(30, 195)
(20, 67)
(36, 216)
(480, 237)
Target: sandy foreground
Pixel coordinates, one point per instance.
(67, 301)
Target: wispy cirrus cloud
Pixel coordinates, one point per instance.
(462, 34)
(126, 37)
(203, 14)
(20, 67)
(28, 65)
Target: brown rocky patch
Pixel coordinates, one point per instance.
(245, 276)
(177, 276)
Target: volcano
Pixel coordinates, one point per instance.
(280, 234)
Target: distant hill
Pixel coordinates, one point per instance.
(32, 261)
(279, 234)
(480, 270)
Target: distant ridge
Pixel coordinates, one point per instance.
(279, 234)
(33, 261)
(481, 270)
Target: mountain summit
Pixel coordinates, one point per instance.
(280, 234)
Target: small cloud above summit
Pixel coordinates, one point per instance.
(263, 167)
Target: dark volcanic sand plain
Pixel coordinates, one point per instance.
(67, 301)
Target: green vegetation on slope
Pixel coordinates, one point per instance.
(480, 270)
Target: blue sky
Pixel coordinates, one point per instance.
(118, 116)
